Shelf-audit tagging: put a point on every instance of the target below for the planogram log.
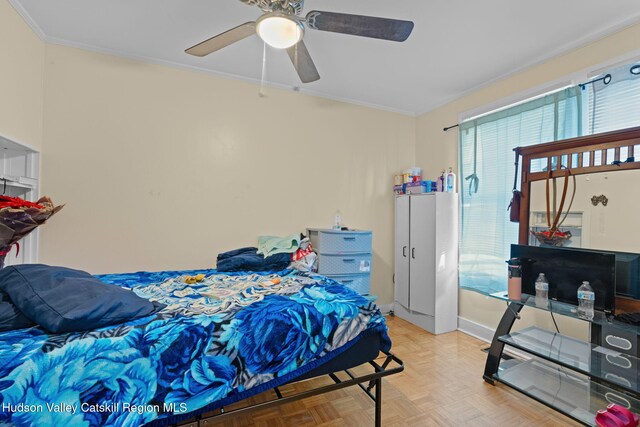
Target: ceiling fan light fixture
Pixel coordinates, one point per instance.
(279, 30)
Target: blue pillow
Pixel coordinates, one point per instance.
(64, 300)
(10, 317)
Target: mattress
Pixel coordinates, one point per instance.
(217, 341)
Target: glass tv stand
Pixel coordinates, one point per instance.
(571, 376)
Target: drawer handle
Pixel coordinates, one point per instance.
(618, 380)
(349, 238)
(620, 361)
(618, 400)
(618, 342)
(350, 260)
(348, 281)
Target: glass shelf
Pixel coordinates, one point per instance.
(608, 365)
(568, 310)
(568, 392)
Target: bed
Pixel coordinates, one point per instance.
(220, 338)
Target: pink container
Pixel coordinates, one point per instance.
(514, 285)
(514, 288)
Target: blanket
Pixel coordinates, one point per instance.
(271, 245)
(217, 341)
(248, 259)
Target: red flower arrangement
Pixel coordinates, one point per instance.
(20, 217)
(553, 235)
(553, 238)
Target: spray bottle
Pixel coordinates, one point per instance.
(440, 186)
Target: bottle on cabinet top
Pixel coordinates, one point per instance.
(451, 181)
(337, 220)
(441, 184)
(410, 182)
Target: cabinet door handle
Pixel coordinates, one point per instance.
(349, 260)
(348, 281)
(413, 253)
(349, 238)
(404, 251)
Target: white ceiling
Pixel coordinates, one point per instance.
(456, 46)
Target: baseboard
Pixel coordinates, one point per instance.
(476, 330)
(385, 308)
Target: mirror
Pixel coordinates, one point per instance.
(602, 217)
(606, 168)
(613, 226)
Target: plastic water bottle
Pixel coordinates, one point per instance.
(586, 301)
(542, 291)
(337, 220)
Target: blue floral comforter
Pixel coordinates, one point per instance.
(217, 341)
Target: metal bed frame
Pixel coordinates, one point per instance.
(373, 379)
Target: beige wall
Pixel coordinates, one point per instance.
(162, 168)
(436, 149)
(21, 79)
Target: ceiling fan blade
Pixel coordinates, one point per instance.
(223, 40)
(360, 25)
(303, 63)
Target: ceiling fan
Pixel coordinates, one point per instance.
(282, 27)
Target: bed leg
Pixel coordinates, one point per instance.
(378, 419)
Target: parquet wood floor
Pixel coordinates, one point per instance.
(441, 386)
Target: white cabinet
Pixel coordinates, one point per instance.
(426, 260)
(19, 173)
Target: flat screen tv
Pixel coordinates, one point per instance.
(627, 272)
(566, 268)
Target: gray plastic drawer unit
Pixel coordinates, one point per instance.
(344, 264)
(336, 241)
(344, 256)
(358, 282)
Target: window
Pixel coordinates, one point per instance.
(487, 162)
(487, 158)
(615, 105)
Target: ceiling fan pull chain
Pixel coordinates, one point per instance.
(261, 93)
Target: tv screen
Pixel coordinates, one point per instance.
(566, 269)
(628, 274)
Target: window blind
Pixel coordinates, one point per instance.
(486, 157)
(617, 104)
